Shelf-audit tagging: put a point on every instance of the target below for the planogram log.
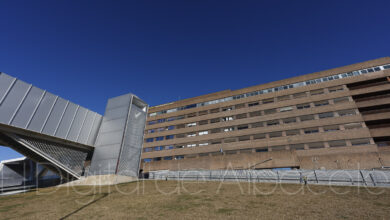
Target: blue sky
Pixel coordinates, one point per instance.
(88, 51)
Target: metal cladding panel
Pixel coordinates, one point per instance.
(12, 101)
(25, 106)
(66, 121)
(77, 124)
(42, 112)
(6, 82)
(95, 130)
(133, 140)
(55, 116)
(110, 136)
(87, 126)
(27, 109)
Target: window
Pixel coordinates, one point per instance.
(191, 124)
(347, 112)
(151, 131)
(157, 159)
(321, 103)
(261, 149)
(303, 106)
(228, 129)
(386, 67)
(300, 95)
(180, 135)
(283, 98)
(147, 160)
(149, 149)
(257, 125)
(204, 122)
(191, 115)
(286, 109)
(339, 143)
(297, 147)
(240, 106)
(310, 130)
(335, 89)
(203, 113)
(231, 152)
(270, 111)
(352, 126)
(227, 108)
(244, 138)
(169, 147)
(292, 132)
(272, 122)
(152, 122)
(259, 136)
(204, 144)
(180, 126)
(191, 145)
(275, 134)
(229, 140)
(160, 138)
(168, 137)
(267, 101)
(357, 142)
(161, 120)
(215, 130)
(228, 118)
(171, 127)
(216, 142)
(317, 92)
(253, 104)
(341, 100)
(214, 120)
(241, 116)
(191, 135)
(316, 145)
(254, 114)
(203, 154)
(216, 110)
(242, 127)
(168, 158)
(306, 117)
(158, 148)
(160, 129)
(289, 120)
(203, 132)
(326, 115)
(179, 157)
(331, 128)
(278, 148)
(149, 140)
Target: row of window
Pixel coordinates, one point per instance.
(245, 115)
(250, 104)
(307, 146)
(275, 89)
(274, 134)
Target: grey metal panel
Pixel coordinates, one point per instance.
(12, 101)
(66, 120)
(109, 138)
(42, 112)
(95, 129)
(113, 125)
(27, 108)
(86, 129)
(119, 101)
(77, 124)
(55, 117)
(6, 82)
(130, 156)
(116, 113)
(104, 167)
(108, 151)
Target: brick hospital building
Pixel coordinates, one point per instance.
(333, 119)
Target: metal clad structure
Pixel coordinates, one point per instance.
(119, 143)
(28, 107)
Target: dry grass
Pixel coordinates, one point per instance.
(203, 200)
